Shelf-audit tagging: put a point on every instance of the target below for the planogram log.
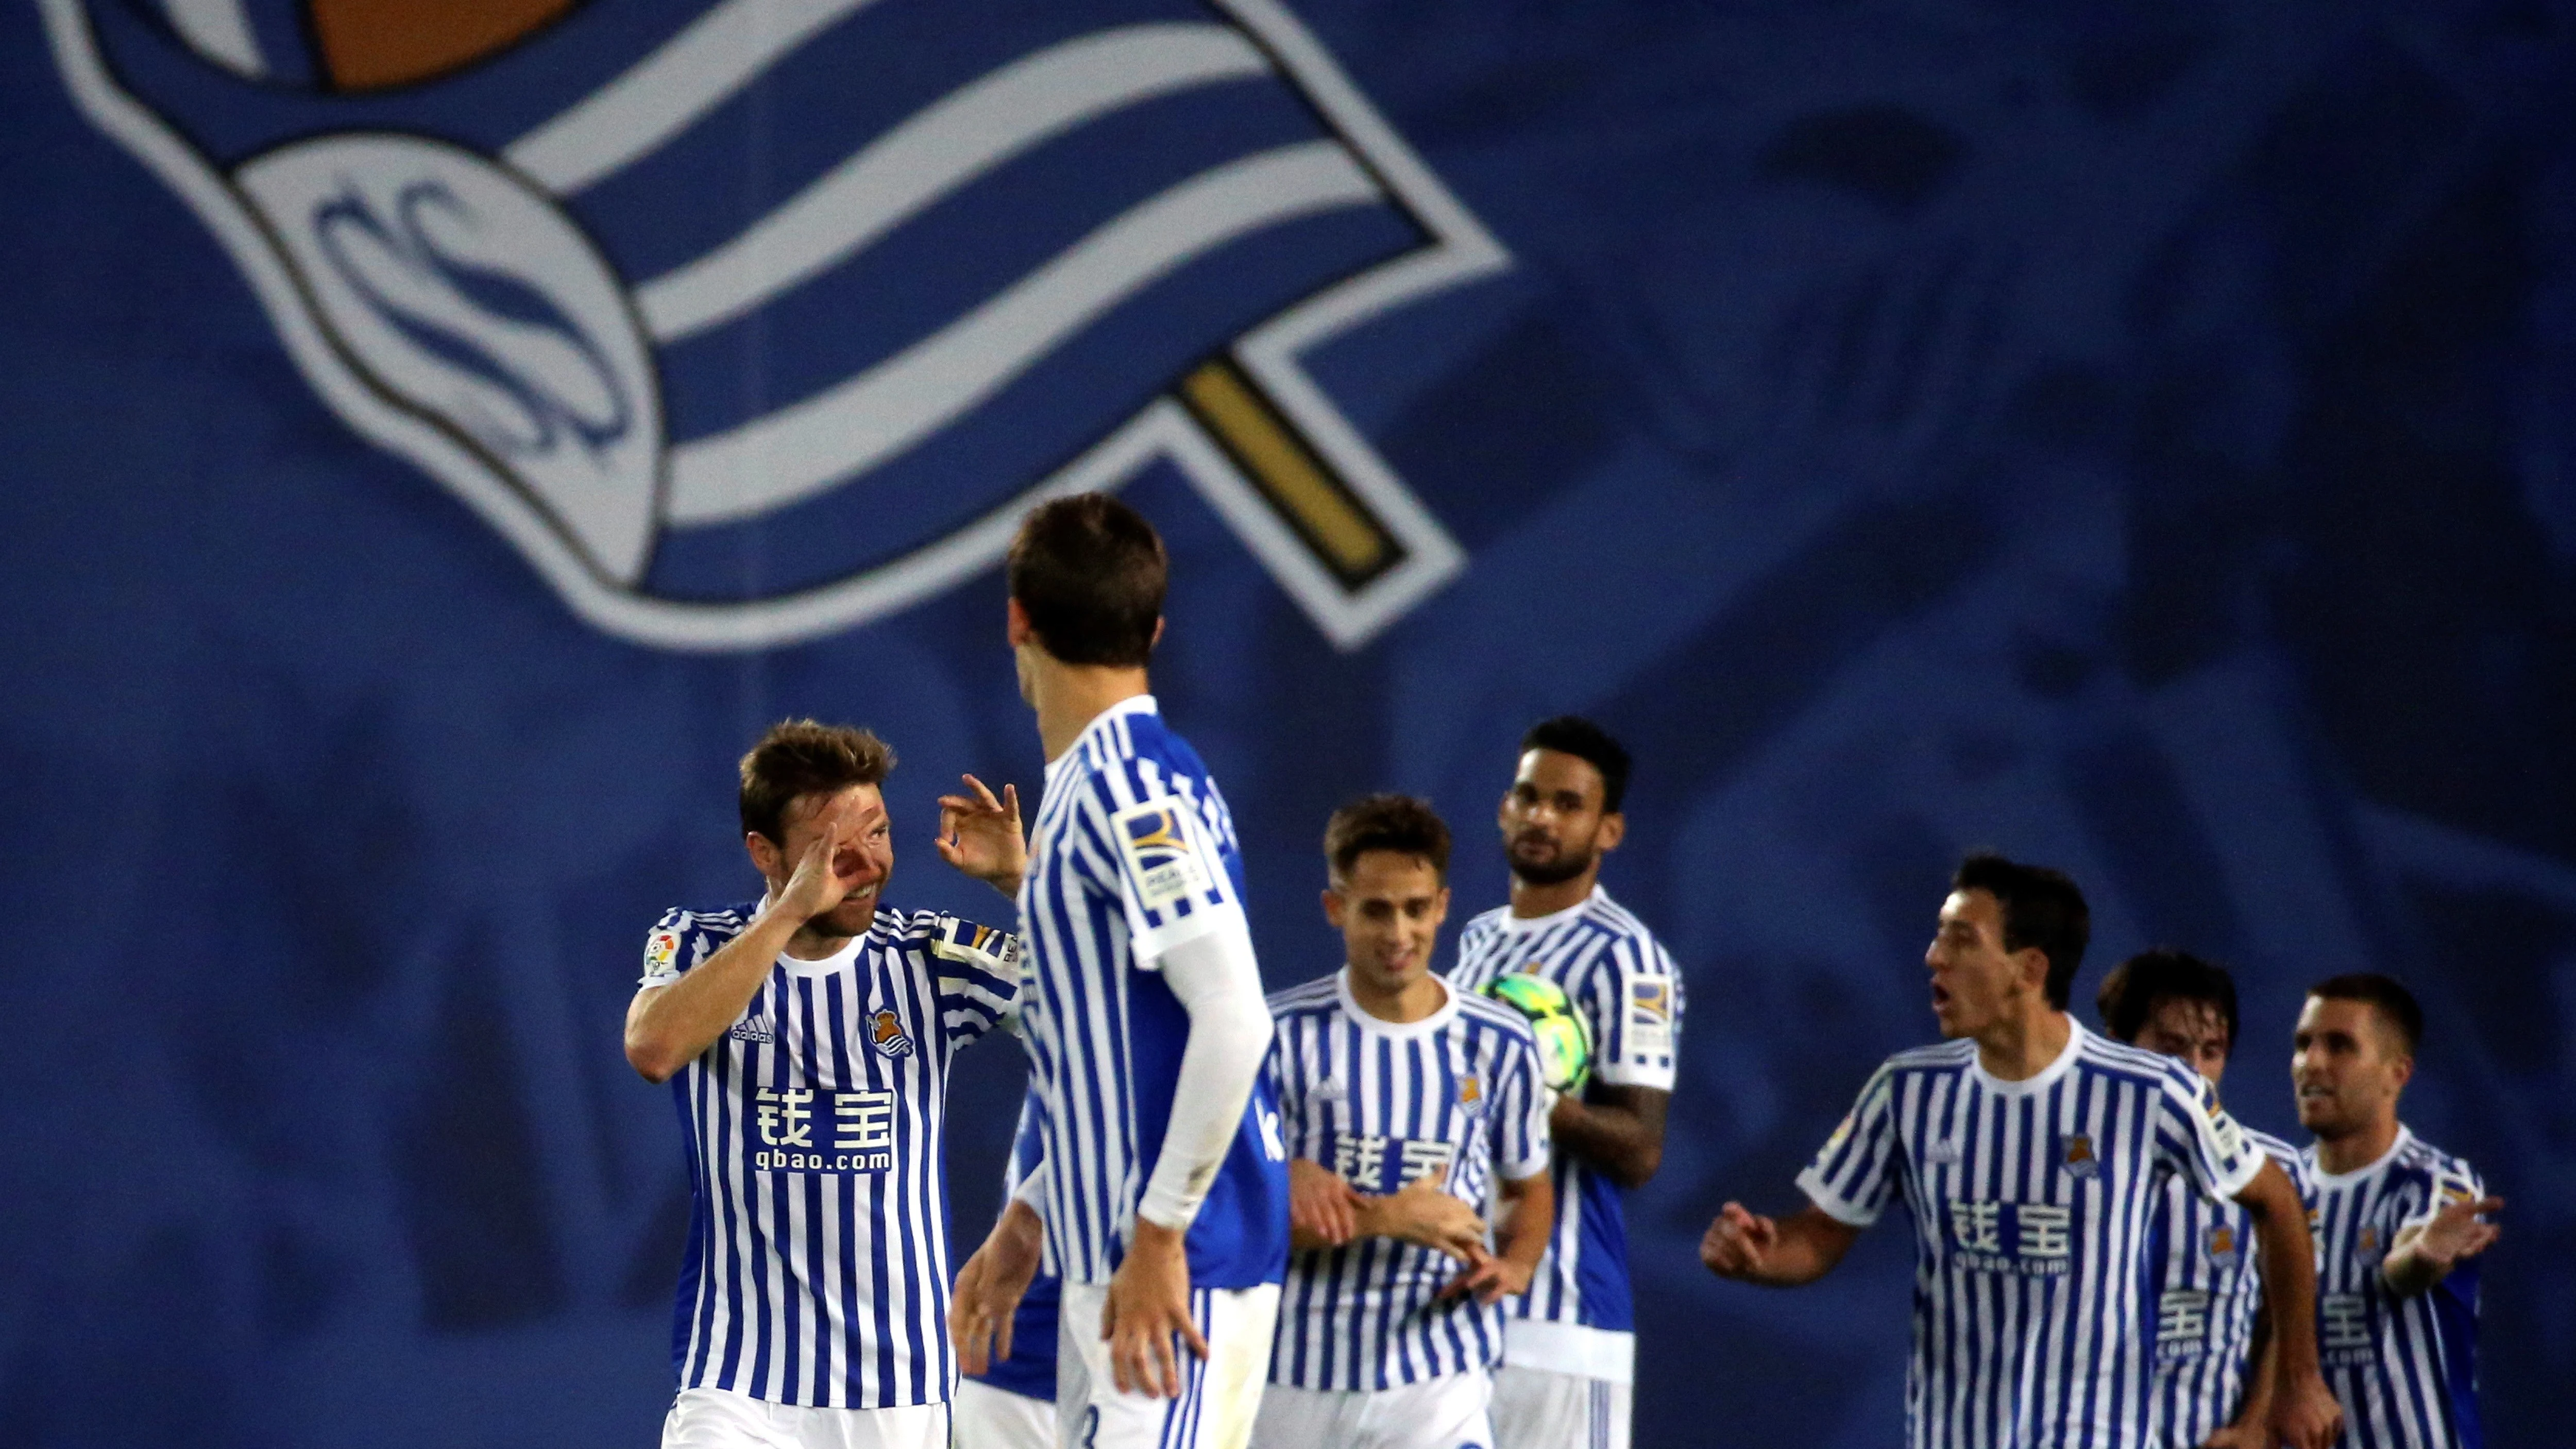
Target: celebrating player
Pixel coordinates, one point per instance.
(2400, 1224)
(1162, 1200)
(1569, 1347)
(2213, 1353)
(2028, 1151)
(1411, 1109)
(807, 1038)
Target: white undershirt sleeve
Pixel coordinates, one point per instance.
(1218, 981)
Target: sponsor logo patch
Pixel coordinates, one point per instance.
(1155, 842)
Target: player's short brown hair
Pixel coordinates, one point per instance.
(803, 757)
(2384, 994)
(1090, 573)
(1399, 823)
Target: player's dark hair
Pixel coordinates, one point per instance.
(801, 757)
(2130, 993)
(2397, 1005)
(1090, 572)
(2041, 908)
(1399, 823)
(1572, 734)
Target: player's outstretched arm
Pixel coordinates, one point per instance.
(2427, 1251)
(1785, 1252)
(668, 1026)
(1617, 1129)
(981, 835)
(2304, 1412)
(990, 1286)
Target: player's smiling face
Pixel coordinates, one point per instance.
(1552, 821)
(1976, 983)
(864, 860)
(2347, 1067)
(1389, 908)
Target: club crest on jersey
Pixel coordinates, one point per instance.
(2080, 1162)
(512, 243)
(1471, 1093)
(2366, 1242)
(885, 1030)
(2222, 1246)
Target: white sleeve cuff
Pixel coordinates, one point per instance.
(1831, 1203)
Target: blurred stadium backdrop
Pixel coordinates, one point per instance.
(2140, 437)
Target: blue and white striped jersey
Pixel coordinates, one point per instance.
(1630, 994)
(817, 1265)
(1134, 853)
(2031, 1203)
(1030, 1370)
(2405, 1369)
(1382, 1103)
(2208, 1287)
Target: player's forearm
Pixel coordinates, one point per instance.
(1529, 1223)
(668, 1026)
(2408, 1271)
(2288, 1260)
(1219, 985)
(2263, 1366)
(1622, 1135)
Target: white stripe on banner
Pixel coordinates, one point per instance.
(936, 153)
(694, 72)
(805, 448)
(220, 31)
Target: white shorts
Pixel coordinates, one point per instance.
(984, 1417)
(1217, 1401)
(723, 1419)
(1443, 1413)
(1536, 1409)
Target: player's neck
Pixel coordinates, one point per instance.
(2357, 1149)
(1531, 900)
(1068, 697)
(1414, 1001)
(2019, 1047)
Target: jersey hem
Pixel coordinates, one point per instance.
(1607, 1354)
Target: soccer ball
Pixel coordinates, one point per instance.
(1564, 1042)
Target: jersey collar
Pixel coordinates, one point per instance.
(2047, 1075)
(1101, 724)
(2368, 1169)
(837, 961)
(1400, 1030)
(1553, 918)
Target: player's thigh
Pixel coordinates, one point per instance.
(1448, 1412)
(1220, 1394)
(1295, 1418)
(1536, 1409)
(984, 1417)
(720, 1419)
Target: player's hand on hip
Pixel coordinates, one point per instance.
(990, 1287)
(1736, 1244)
(1148, 1308)
(980, 834)
(2305, 1415)
(1321, 1204)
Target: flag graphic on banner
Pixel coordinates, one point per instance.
(749, 322)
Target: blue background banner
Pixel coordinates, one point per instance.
(2139, 437)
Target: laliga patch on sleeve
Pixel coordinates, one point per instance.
(2231, 1138)
(1154, 841)
(1650, 1016)
(661, 949)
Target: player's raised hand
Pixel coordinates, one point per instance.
(981, 835)
(818, 883)
(1320, 1205)
(990, 1287)
(2455, 1233)
(1737, 1242)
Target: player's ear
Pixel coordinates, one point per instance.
(765, 855)
(1158, 634)
(1333, 907)
(1614, 828)
(1440, 907)
(1015, 624)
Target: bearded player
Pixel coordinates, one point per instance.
(1569, 1344)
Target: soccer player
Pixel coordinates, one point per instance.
(1414, 1109)
(1162, 1199)
(2029, 1152)
(1007, 1399)
(2213, 1355)
(807, 1038)
(1569, 1348)
(2400, 1224)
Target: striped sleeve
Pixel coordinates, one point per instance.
(1636, 1026)
(1162, 856)
(2194, 1135)
(1521, 1103)
(2450, 1180)
(977, 972)
(1858, 1168)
